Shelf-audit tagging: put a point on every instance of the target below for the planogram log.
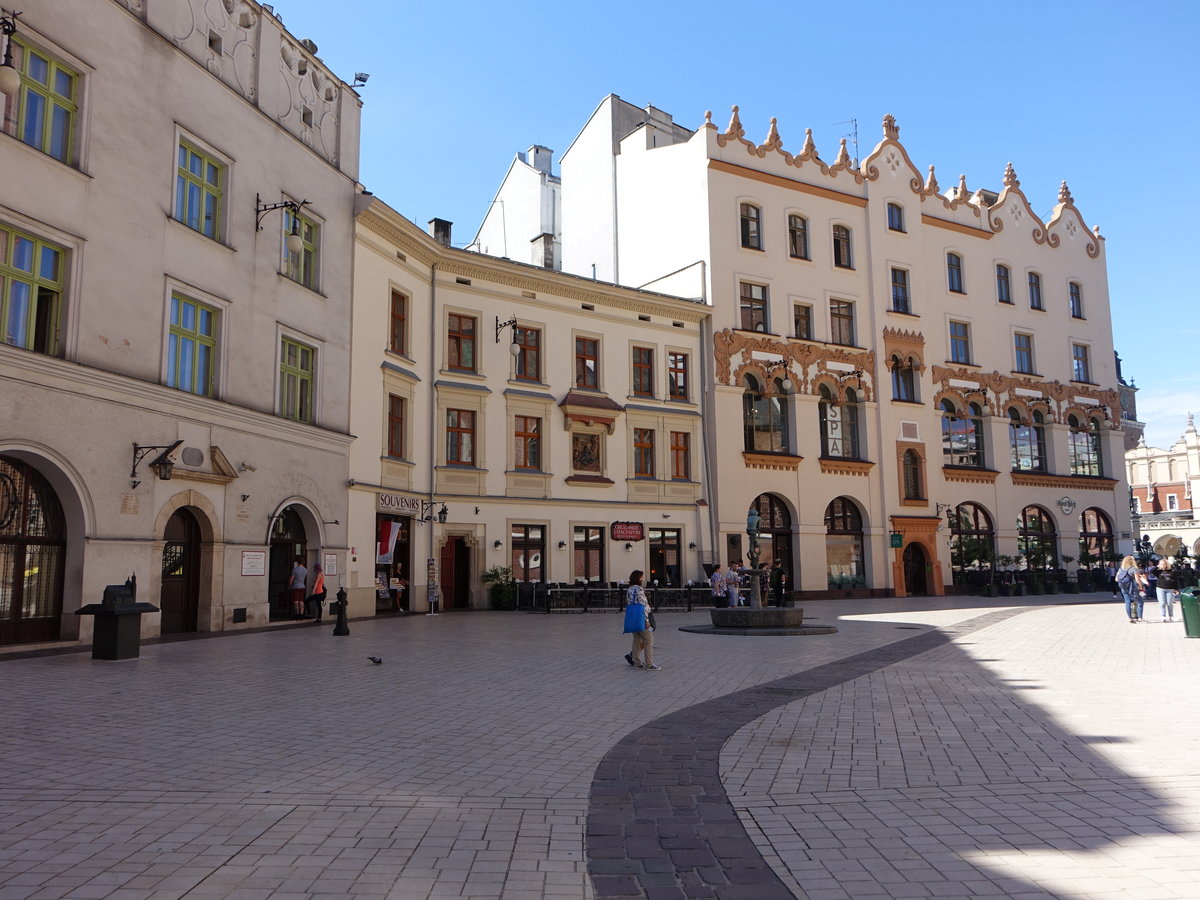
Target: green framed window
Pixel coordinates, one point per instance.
(191, 346)
(46, 102)
(31, 283)
(199, 183)
(302, 267)
(297, 380)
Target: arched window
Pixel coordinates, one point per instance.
(1084, 446)
(775, 533)
(904, 379)
(954, 273)
(839, 424)
(765, 422)
(751, 218)
(842, 252)
(844, 545)
(33, 544)
(1095, 537)
(972, 544)
(911, 464)
(1028, 442)
(1037, 538)
(962, 436)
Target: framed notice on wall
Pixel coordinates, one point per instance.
(330, 564)
(254, 562)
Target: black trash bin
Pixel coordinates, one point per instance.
(1189, 603)
(117, 633)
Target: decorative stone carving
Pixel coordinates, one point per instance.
(804, 363)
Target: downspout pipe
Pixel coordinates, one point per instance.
(431, 587)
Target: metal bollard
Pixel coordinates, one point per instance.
(341, 629)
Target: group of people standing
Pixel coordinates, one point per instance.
(312, 605)
(726, 585)
(1136, 582)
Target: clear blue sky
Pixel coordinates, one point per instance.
(1101, 94)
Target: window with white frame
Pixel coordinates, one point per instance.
(751, 226)
(753, 307)
(297, 379)
(798, 237)
(192, 346)
(1081, 369)
(44, 111)
(32, 275)
(199, 189)
(954, 273)
(302, 266)
(843, 251)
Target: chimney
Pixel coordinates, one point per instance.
(539, 157)
(543, 251)
(440, 229)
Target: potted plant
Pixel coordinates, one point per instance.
(503, 590)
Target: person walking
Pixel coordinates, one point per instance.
(637, 623)
(1129, 580)
(297, 585)
(716, 583)
(1167, 588)
(315, 603)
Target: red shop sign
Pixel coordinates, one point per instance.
(627, 531)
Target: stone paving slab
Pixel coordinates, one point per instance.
(283, 764)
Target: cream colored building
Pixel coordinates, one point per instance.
(173, 375)
(1163, 486)
(896, 369)
(511, 415)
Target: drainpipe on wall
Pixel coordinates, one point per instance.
(431, 586)
(707, 376)
(880, 520)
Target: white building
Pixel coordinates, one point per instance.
(510, 415)
(174, 374)
(896, 369)
(522, 221)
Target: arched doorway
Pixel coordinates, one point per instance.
(1095, 537)
(844, 557)
(1037, 539)
(33, 540)
(775, 534)
(179, 597)
(972, 546)
(289, 545)
(916, 569)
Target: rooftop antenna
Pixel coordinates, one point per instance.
(853, 136)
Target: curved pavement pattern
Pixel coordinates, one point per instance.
(660, 823)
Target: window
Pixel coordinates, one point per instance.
(199, 182)
(529, 353)
(751, 233)
(765, 418)
(904, 379)
(839, 424)
(1172, 501)
(589, 553)
(460, 437)
(954, 278)
(31, 283)
(461, 334)
(972, 544)
(1003, 285)
(754, 307)
(528, 549)
(1095, 535)
(1023, 345)
(842, 257)
(962, 436)
(643, 372)
(677, 375)
(798, 237)
(643, 452)
(681, 456)
(802, 319)
(960, 343)
(841, 322)
(895, 217)
(1037, 538)
(297, 374)
(844, 557)
(587, 357)
(911, 465)
(191, 346)
(527, 440)
(1027, 439)
(1076, 296)
(900, 302)
(395, 426)
(398, 334)
(1084, 446)
(1035, 291)
(43, 112)
(302, 266)
(1081, 370)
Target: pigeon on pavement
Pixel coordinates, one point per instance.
(376, 660)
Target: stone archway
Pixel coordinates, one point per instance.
(922, 530)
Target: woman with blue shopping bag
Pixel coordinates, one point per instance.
(639, 621)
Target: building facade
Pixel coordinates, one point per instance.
(1162, 486)
(907, 383)
(175, 265)
(509, 415)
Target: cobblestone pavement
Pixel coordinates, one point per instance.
(1048, 751)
